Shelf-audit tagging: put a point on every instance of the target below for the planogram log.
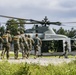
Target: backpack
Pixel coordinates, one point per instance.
(5, 38)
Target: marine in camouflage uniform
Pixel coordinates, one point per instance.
(16, 41)
(23, 44)
(66, 50)
(65, 54)
(37, 44)
(30, 43)
(26, 47)
(6, 44)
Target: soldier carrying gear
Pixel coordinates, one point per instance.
(30, 43)
(16, 41)
(26, 46)
(6, 44)
(37, 44)
(65, 54)
(66, 50)
(23, 44)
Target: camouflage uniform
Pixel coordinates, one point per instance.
(37, 44)
(16, 41)
(6, 44)
(65, 54)
(26, 46)
(30, 43)
(23, 44)
(66, 50)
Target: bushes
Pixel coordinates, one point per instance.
(36, 69)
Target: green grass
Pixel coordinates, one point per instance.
(36, 69)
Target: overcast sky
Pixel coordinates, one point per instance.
(55, 10)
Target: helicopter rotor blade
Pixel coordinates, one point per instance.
(68, 22)
(54, 23)
(31, 20)
(68, 25)
(36, 21)
(13, 17)
(19, 23)
(46, 22)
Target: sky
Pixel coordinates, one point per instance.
(55, 10)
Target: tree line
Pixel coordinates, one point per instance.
(70, 33)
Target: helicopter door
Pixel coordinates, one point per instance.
(52, 46)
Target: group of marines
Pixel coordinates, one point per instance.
(21, 42)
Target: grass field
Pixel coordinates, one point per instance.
(36, 69)
(7, 68)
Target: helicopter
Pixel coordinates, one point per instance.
(52, 43)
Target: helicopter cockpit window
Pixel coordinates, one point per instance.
(37, 29)
(41, 29)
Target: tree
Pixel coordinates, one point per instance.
(15, 25)
(61, 31)
(21, 25)
(71, 33)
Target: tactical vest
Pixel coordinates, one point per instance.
(5, 38)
